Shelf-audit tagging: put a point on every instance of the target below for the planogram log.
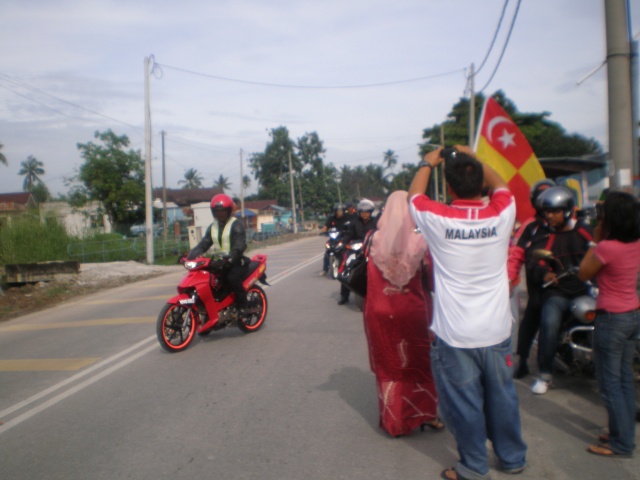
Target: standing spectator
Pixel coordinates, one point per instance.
(357, 229)
(471, 354)
(397, 316)
(615, 262)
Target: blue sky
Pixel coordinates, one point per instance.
(91, 54)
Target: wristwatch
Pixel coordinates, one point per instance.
(424, 163)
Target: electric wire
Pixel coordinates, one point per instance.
(504, 47)
(310, 87)
(495, 35)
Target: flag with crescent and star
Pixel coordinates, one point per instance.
(501, 145)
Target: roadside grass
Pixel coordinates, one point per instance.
(28, 240)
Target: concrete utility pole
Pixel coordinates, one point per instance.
(619, 85)
(242, 190)
(147, 164)
(293, 197)
(472, 107)
(164, 192)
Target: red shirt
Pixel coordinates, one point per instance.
(617, 278)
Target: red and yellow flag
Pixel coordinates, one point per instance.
(501, 144)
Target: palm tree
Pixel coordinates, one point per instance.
(3, 159)
(246, 181)
(389, 160)
(192, 179)
(222, 183)
(31, 169)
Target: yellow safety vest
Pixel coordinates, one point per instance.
(225, 247)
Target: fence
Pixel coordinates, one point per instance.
(127, 249)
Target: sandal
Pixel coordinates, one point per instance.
(605, 451)
(451, 474)
(436, 425)
(603, 438)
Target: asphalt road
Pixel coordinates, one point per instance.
(86, 392)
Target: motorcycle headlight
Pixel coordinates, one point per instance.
(356, 246)
(327, 246)
(333, 235)
(191, 265)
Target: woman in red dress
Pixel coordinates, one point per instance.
(397, 319)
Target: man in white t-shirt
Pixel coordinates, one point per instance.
(471, 355)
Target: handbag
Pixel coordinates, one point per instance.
(354, 274)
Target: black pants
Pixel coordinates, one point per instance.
(234, 278)
(528, 328)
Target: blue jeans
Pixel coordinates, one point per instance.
(478, 401)
(551, 315)
(614, 340)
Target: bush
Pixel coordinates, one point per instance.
(26, 239)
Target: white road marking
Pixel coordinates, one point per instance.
(126, 361)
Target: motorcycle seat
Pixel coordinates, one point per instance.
(253, 266)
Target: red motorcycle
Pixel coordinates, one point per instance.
(205, 304)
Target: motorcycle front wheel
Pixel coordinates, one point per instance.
(257, 310)
(175, 327)
(335, 266)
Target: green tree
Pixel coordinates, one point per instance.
(112, 176)
(271, 167)
(40, 192)
(246, 181)
(3, 159)
(547, 138)
(222, 183)
(389, 160)
(31, 169)
(192, 179)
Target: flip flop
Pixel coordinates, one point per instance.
(603, 438)
(450, 474)
(605, 451)
(436, 425)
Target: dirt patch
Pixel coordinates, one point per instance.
(93, 277)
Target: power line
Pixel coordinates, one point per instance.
(495, 35)
(31, 87)
(506, 42)
(309, 87)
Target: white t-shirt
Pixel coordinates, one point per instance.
(469, 241)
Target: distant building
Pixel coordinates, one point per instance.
(16, 202)
(79, 222)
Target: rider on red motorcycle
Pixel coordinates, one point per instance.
(227, 234)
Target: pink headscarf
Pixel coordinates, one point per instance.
(397, 249)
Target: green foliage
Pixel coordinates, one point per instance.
(3, 159)
(112, 176)
(222, 183)
(31, 169)
(547, 138)
(192, 179)
(26, 239)
(40, 192)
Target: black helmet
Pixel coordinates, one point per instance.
(339, 206)
(539, 187)
(557, 197)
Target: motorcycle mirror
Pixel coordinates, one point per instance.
(542, 254)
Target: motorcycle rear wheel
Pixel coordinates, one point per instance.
(175, 327)
(257, 304)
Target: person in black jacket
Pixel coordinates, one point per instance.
(358, 228)
(338, 220)
(568, 240)
(227, 234)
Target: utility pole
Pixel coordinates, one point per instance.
(472, 107)
(164, 192)
(293, 196)
(635, 117)
(244, 222)
(301, 202)
(147, 164)
(339, 194)
(619, 87)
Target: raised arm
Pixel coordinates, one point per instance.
(421, 180)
